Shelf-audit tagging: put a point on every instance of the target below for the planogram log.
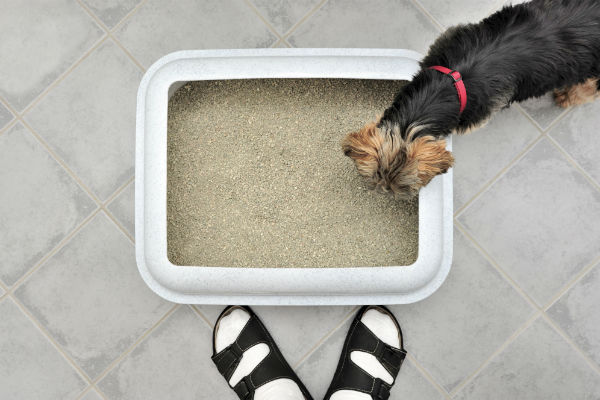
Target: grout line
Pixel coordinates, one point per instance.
(499, 175)
(84, 392)
(60, 161)
(100, 393)
(574, 163)
(427, 375)
(498, 351)
(570, 341)
(51, 339)
(62, 76)
(584, 271)
(535, 123)
(496, 266)
(262, 18)
(127, 53)
(144, 335)
(52, 252)
(119, 190)
(441, 28)
(121, 228)
(204, 318)
(324, 338)
(8, 126)
(110, 35)
(303, 19)
(540, 310)
(128, 16)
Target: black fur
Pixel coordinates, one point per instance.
(521, 51)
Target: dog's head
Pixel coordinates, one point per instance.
(395, 165)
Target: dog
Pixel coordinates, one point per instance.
(472, 71)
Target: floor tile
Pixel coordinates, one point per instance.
(31, 368)
(39, 203)
(160, 27)
(90, 297)
(5, 116)
(538, 221)
(577, 133)
(111, 12)
(92, 395)
(390, 23)
(317, 371)
(450, 13)
(283, 14)
(123, 208)
(89, 119)
(172, 363)
(482, 154)
(297, 330)
(542, 110)
(577, 314)
(539, 364)
(461, 325)
(39, 42)
(211, 311)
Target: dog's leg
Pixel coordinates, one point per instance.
(577, 94)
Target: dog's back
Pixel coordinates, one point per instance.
(527, 49)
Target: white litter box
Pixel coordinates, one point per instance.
(277, 286)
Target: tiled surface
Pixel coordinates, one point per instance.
(344, 23)
(91, 395)
(516, 319)
(40, 203)
(40, 40)
(577, 135)
(443, 343)
(539, 221)
(172, 363)
(110, 12)
(123, 208)
(88, 119)
(30, 367)
(494, 146)
(577, 314)
(77, 305)
(5, 116)
(283, 14)
(539, 364)
(161, 27)
(450, 13)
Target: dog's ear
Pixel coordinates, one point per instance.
(430, 156)
(363, 147)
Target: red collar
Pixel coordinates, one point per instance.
(458, 84)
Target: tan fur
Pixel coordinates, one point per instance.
(432, 157)
(394, 165)
(577, 94)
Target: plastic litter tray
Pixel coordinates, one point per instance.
(276, 286)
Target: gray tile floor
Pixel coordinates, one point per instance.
(517, 318)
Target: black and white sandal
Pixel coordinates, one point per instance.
(349, 376)
(269, 369)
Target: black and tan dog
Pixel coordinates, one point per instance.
(521, 51)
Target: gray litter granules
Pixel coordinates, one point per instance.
(257, 178)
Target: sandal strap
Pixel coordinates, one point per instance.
(228, 359)
(381, 390)
(349, 376)
(364, 340)
(244, 389)
(272, 367)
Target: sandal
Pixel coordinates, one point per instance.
(272, 367)
(349, 376)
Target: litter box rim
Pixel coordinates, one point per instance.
(276, 286)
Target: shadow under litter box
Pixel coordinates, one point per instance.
(257, 178)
